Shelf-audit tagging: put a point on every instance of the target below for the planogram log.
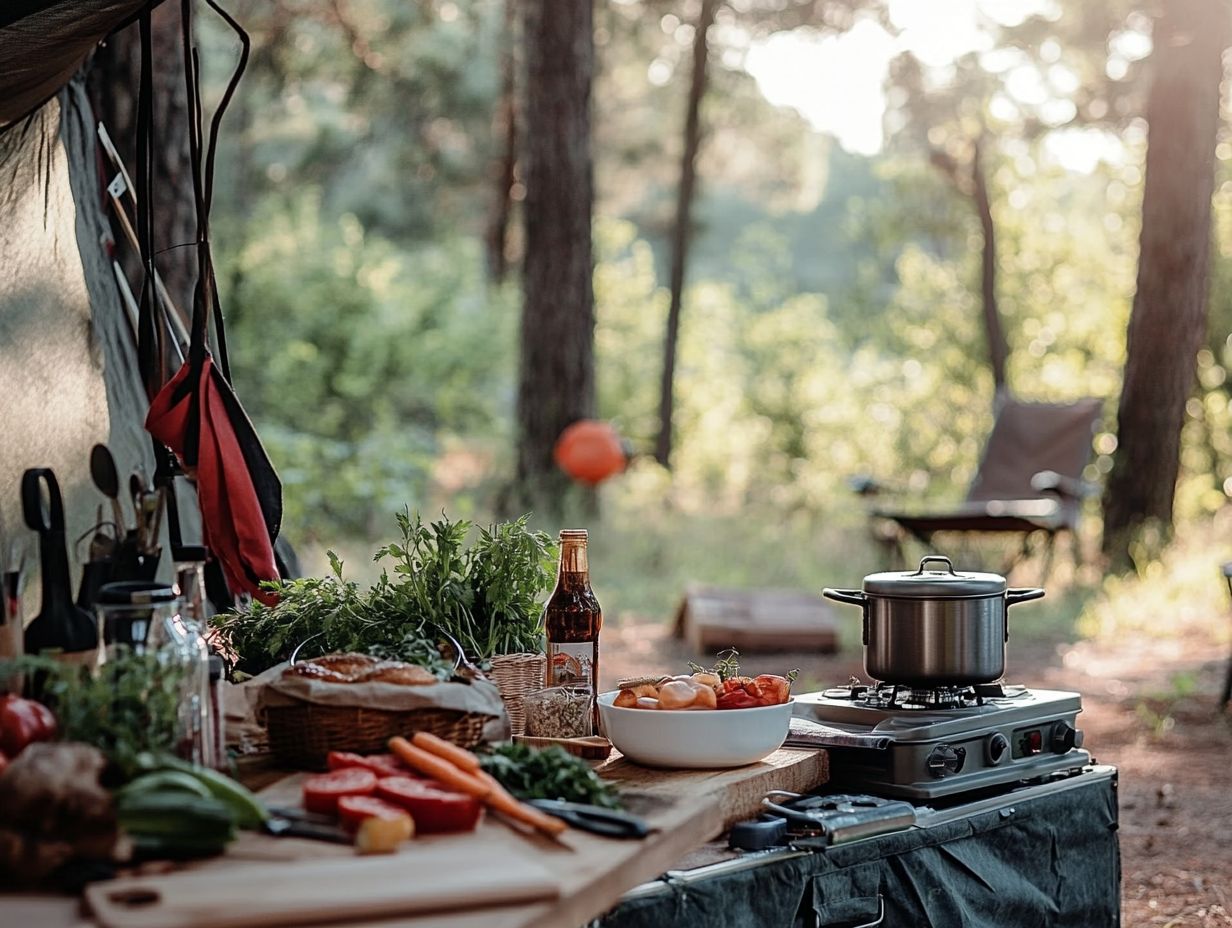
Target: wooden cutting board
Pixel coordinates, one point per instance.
(686, 809)
(325, 891)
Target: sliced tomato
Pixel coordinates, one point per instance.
(383, 765)
(354, 809)
(322, 792)
(340, 760)
(434, 808)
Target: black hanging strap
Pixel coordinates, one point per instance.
(150, 345)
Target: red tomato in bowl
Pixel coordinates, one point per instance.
(748, 692)
(322, 792)
(434, 808)
(774, 689)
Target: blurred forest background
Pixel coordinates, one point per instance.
(367, 226)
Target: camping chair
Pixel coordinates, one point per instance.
(1029, 483)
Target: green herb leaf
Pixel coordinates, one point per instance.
(551, 773)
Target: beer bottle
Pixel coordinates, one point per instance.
(572, 619)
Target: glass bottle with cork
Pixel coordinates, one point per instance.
(572, 620)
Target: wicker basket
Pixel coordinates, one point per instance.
(301, 736)
(517, 676)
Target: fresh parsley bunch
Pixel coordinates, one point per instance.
(489, 595)
(486, 596)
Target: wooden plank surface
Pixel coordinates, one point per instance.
(685, 809)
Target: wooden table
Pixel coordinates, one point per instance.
(685, 809)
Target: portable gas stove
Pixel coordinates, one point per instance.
(925, 744)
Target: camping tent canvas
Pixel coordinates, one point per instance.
(68, 375)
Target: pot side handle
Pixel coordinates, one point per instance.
(854, 598)
(1015, 596)
(851, 597)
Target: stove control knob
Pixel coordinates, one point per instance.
(997, 747)
(1063, 738)
(945, 760)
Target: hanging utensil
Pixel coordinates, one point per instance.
(106, 477)
(60, 626)
(136, 489)
(196, 413)
(152, 503)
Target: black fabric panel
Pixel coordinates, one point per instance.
(1052, 862)
(43, 43)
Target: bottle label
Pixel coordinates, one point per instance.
(571, 664)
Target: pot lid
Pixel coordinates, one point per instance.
(136, 593)
(930, 584)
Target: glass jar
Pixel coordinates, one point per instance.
(146, 618)
(190, 580)
(559, 712)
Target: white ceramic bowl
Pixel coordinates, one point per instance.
(698, 738)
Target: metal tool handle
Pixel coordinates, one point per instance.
(949, 566)
(769, 805)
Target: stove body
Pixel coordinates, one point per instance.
(927, 745)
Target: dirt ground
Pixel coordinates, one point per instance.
(1149, 708)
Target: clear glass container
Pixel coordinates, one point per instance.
(560, 712)
(146, 618)
(190, 581)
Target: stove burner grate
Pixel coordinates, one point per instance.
(895, 696)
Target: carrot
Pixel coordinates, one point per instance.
(481, 785)
(501, 801)
(439, 769)
(458, 756)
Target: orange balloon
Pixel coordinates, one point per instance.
(590, 451)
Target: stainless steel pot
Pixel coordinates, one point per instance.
(931, 628)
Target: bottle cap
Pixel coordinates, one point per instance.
(573, 534)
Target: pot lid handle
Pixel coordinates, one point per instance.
(935, 557)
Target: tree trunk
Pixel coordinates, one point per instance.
(114, 80)
(1168, 320)
(556, 384)
(681, 230)
(505, 132)
(998, 349)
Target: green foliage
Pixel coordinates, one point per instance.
(551, 773)
(831, 319)
(316, 616)
(359, 360)
(129, 706)
(486, 596)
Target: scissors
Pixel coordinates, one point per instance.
(594, 819)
